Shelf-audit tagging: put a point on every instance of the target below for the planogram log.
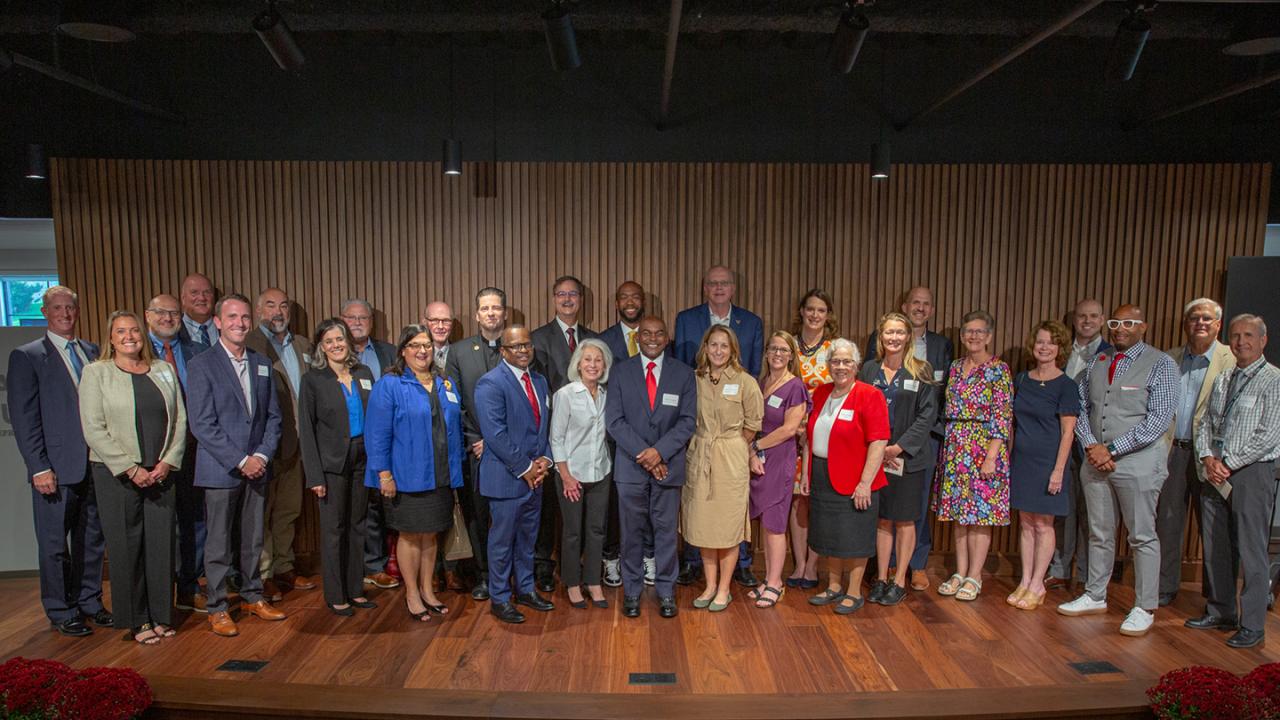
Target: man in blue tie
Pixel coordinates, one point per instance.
(44, 406)
(197, 297)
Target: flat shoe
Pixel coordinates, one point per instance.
(842, 609)
(719, 607)
(826, 597)
(701, 604)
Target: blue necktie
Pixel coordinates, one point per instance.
(204, 335)
(76, 363)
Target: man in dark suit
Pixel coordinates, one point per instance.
(718, 287)
(290, 355)
(651, 411)
(197, 297)
(374, 354)
(44, 407)
(553, 345)
(937, 350)
(234, 413)
(513, 408)
(468, 361)
(164, 324)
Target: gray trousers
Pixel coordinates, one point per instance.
(1245, 518)
(1072, 531)
(248, 502)
(1181, 494)
(1133, 488)
(138, 524)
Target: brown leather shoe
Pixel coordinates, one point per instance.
(453, 582)
(381, 580)
(222, 624)
(194, 603)
(919, 580)
(263, 610)
(296, 581)
(271, 591)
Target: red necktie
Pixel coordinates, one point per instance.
(1111, 372)
(533, 399)
(573, 344)
(168, 355)
(651, 384)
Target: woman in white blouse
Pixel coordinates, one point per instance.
(583, 467)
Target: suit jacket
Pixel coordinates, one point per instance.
(667, 428)
(512, 439)
(1222, 359)
(551, 352)
(386, 353)
(44, 408)
(109, 416)
(324, 430)
(184, 336)
(692, 324)
(221, 422)
(469, 360)
(287, 401)
(617, 341)
(911, 417)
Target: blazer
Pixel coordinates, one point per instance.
(398, 436)
(109, 416)
(468, 361)
(617, 342)
(667, 428)
(44, 409)
(692, 324)
(324, 430)
(1221, 360)
(184, 335)
(551, 352)
(911, 417)
(287, 401)
(220, 421)
(512, 439)
(385, 352)
(847, 446)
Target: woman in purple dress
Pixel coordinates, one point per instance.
(773, 467)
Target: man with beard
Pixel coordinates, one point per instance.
(197, 298)
(289, 356)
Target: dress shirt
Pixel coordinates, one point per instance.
(288, 358)
(60, 343)
(826, 420)
(1162, 401)
(541, 401)
(241, 367)
(157, 344)
(578, 436)
(716, 319)
(442, 357)
(1250, 428)
(564, 332)
(921, 348)
(193, 329)
(1191, 374)
(368, 357)
(1081, 355)
(355, 409)
(657, 368)
(627, 334)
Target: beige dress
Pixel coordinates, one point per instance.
(713, 505)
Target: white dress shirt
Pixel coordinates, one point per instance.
(241, 367)
(193, 329)
(1080, 356)
(657, 367)
(60, 343)
(717, 320)
(578, 435)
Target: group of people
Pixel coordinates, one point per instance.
(634, 457)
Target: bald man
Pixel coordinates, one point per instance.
(1128, 398)
(197, 297)
(438, 319)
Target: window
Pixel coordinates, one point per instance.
(20, 298)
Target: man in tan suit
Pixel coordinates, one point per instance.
(289, 357)
(1200, 361)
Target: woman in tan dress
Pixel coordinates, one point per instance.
(713, 505)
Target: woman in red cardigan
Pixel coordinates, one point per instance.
(847, 433)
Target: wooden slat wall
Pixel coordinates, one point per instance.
(1021, 241)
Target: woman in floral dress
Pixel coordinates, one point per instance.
(972, 481)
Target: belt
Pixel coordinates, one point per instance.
(1184, 444)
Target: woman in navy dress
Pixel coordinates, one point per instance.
(1046, 404)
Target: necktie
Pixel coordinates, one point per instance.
(242, 370)
(204, 334)
(533, 399)
(1111, 372)
(573, 344)
(76, 363)
(168, 354)
(632, 347)
(651, 383)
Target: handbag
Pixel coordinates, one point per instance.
(457, 544)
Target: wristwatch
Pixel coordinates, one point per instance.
(1111, 448)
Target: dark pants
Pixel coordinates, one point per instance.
(70, 577)
(138, 524)
(1180, 495)
(222, 507)
(342, 518)
(544, 548)
(475, 510)
(613, 532)
(653, 507)
(189, 501)
(924, 530)
(1243, 520)
(374, 532)
(511, 540)
(582, 538)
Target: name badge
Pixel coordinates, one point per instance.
(306, 359)
(1130, 387)
(365, 384)
(775, 401)
(911, 385)
(165, 376)
(937, 376)
(671, 399)
(452, 398)
(844, 415)
(731, 389)
(1247, 401)
(894, 470)
(264, 371)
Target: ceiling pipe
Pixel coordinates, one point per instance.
(71, 79)
(1005, 59)
(1227, 92)
(669, 65)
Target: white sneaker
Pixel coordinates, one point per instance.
(650, 570)
(1083, 605)
(1138, 623)
(612, 575)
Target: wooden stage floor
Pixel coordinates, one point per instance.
(928, 657)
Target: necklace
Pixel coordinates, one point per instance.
(808, 351)
(715, 379)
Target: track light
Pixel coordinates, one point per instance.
(95, 20)
(561, 40)
(851, 31)
(880, 160)
(452, 157)
(276, 35)
(1126, 48)
(37, 163)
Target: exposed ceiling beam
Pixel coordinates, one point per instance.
(1228, 92)
(669, 64)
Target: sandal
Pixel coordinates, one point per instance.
(145, 634)
(951, 586)
(826, 597)
(1017, 595)
(969, 590)
(767, 601)
(437, 609)
(1029, 601)
(165, 631)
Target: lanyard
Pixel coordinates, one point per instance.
(1232, 397)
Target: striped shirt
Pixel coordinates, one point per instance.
(1245, 417)
(1162, 401)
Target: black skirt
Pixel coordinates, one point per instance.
(430, 511)
(903, 498)
(837, 528)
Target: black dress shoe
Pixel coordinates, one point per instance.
(631, 606)
(667, 607)
(102, 618)
(480, 591)
(1245, 638)
(689, 574)
(74, 627)
(545, 580)
(1167, 599)
(506, 612)
(535, 601)
(893, 594)
(341, 611)
(364, 604)
(878, 589)
(1211, 622)
(743, 577)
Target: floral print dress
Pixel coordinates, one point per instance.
(979, 409)
(815, 373)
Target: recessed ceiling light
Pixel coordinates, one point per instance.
(1254, 47)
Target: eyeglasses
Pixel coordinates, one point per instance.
(439, 321)
(357, 318)
(719, 283)
(567, 294)
(419, 346)
(1126, 324)
(839, 362)
(779, 351)
(165, 313)
(1205, 319)
(974, 332)
(517, 347)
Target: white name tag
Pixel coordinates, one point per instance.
(365, 384)
(894, 470)
(775, 401)
(731, 389)
(937, 376)
(844, 415)
(306, 359)
(670, 399)
(910, 386)
(452, 398)
(1130, 387)
(264, 371)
